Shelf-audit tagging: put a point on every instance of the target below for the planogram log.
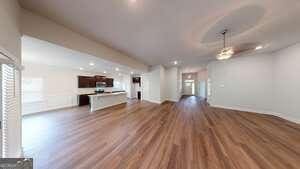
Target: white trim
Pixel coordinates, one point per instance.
(172, 100)
(51, 109)
(289, 118)
(10, 58)
(153, 101)
(158, 102)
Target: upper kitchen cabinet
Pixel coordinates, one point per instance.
(86, 82)
(83, 82)
(100, 78)
(90, 81)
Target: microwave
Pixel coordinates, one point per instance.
(100, 84)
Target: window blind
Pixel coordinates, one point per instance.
(10, 106)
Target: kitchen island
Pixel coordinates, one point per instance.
(104, 100)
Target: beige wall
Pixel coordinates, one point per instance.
(45, 29)
(9, 27)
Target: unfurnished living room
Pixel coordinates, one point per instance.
(149, 84)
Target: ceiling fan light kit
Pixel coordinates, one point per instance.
(226, 52)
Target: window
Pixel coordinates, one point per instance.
(10, 135)
(10, 108)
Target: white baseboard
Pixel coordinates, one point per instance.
(160, 102)
(153, 101)
(289, 118)
(172, 100)
(50, 109)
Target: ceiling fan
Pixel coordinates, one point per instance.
(228, 52)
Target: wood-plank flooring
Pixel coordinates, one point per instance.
(142, 135)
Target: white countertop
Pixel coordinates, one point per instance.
(106, 94)
(103, 100)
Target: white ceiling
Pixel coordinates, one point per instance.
(158, 32)
(45, 53)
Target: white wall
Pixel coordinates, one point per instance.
(160, 84)
(10, 41)
(145, 86)
(202, 83)
(151, 85)
(264, 83)
(179, 82)
(59, 87)
(172, 88)
(127, 85)
(287, 82)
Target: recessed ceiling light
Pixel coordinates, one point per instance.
(104, 72)
(175, 62)
(131, 72)
(258, 47)
(117, 69)
(80, 68)
(91, 64)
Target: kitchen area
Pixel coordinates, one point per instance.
(105, 94)
(55, 78)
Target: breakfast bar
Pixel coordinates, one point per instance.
(104, 100)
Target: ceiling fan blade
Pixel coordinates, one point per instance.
(244, 48)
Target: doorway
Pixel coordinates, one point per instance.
(189, 87)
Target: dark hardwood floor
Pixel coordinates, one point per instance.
(142, 135)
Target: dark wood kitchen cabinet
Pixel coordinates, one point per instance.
(100, 78)
(90, 81)
(84, 81)
(83, 100)
(109, 82)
